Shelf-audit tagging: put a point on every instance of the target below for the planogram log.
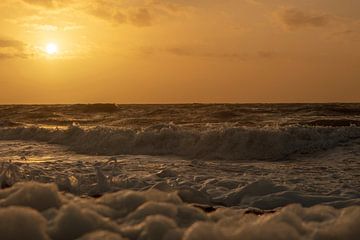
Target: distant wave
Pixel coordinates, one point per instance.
(8, 123)
(95, 108)
(224, 114)
(340, 109)
(333, 122)
(235, 143)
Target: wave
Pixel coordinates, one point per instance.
(9, 123)
(341, 109)
(95, 108)
(333, 122)
(230, 143)
(225, 114)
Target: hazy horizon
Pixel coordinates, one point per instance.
(181, 103)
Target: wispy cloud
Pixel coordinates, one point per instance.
(349, 34)
(204, 53)
(49, 3)
(117, 14)
(208, 53)
(140, 13)
(10, 48)
(294, 18)
(10, 43)
(141, 17)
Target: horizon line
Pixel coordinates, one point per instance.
(179, 103)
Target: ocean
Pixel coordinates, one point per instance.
(198, 170)
(194, 131)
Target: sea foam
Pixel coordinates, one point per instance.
(162, 215)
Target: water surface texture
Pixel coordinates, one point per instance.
(197, 171)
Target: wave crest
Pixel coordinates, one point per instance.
(230, 143)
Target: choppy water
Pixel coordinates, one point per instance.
(201, 131)
(112, 153)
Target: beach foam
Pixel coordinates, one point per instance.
(161, 215)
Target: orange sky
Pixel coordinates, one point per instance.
(162, 51)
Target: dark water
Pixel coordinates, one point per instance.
(187, 114)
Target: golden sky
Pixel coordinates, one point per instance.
(170, 51)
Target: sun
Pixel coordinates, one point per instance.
(51, 48)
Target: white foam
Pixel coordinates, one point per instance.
(22, 223)
(38, 196)
(160, 215)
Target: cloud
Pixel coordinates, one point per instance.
(348, 35)
(350, 31)
(10, 43)
(140, 13)
(345, 33)
(205, 52)
(49, 3)
(266, 54)
(141, 17)
(294, 18)
(118, 14)
(10, 48)
(138, 16)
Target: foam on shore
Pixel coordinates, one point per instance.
(45, 213)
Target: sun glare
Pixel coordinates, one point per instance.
(51, 48)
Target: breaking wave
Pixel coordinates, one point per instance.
(230, 143)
